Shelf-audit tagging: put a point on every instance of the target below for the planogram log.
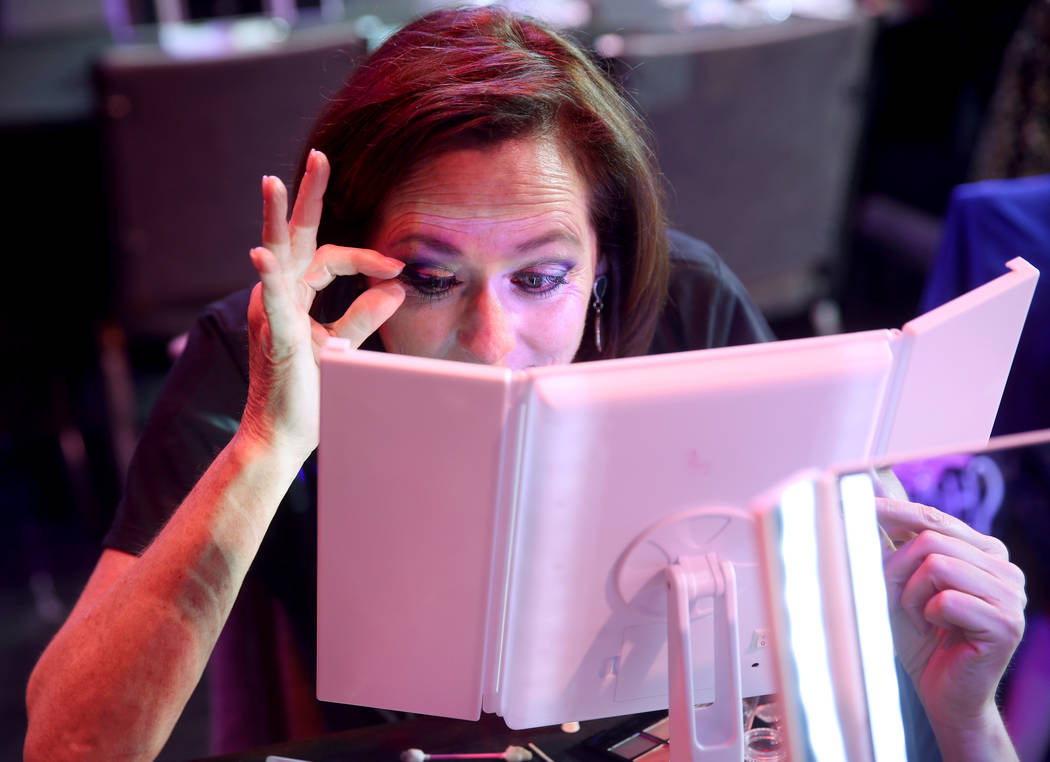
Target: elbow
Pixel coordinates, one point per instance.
(48, 737)
(65, 727)
(36, 747)
(34, 751)
(53, 747)
(57, 742)
(39, 746)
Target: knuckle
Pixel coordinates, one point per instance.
(949, 600)
(1018, 587)
(998, 548)
(927, 540)
(931, 515)
(1010, 575)
(1015, 627)
(359, 326)
(1018, 575)
(935, 564)
(938, 604)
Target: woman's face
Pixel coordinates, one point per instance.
(500, 252)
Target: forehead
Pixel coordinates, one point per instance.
(517, 180)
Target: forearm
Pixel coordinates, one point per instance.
(982, 739)
(116, 677)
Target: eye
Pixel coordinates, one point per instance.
(538, 282)
(428, 282)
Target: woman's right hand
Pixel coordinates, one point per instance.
(283, 405)
(114, 680)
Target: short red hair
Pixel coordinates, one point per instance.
(470, 78)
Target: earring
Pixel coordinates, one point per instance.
(600, 284)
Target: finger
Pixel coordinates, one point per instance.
(369, 311)
(901, 519)
(306, 214)
(943, 561)
(280, 311)
(978, 619)
(275, 218)
(912, 554)
(330, 261)
(939, 573)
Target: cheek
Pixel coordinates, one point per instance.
(413, 331)
(559, 325)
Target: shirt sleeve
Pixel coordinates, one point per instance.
(194, 417)
(707, 306)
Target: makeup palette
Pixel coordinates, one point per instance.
(646, 738)
(643, 738)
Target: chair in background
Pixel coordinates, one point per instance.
(187, 141)
(756, 131)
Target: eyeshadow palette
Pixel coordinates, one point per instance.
(646, 737)
(643, 737)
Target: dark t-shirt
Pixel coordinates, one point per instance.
(198, 412)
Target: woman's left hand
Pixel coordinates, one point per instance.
(957, 611)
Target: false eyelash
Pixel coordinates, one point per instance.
(427, 287)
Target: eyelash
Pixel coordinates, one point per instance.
(427, 287)
(433, 287)
(547, 284)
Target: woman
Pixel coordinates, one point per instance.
(515, 206)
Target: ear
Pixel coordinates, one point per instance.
(602, 268)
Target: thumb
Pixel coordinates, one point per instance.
(369, 311)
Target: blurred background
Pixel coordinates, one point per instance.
(815, 144)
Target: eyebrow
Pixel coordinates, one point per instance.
(554, 236)
(444, 248)
(430, 242)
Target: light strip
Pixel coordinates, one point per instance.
(805, 614)
(873, 623)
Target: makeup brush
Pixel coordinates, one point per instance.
(510, 754)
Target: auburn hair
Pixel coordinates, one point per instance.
(475, 77)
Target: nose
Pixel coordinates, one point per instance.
(488, 333)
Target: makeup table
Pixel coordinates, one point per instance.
(437, 735)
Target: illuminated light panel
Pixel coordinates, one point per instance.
(873, 624)
(805, 613)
